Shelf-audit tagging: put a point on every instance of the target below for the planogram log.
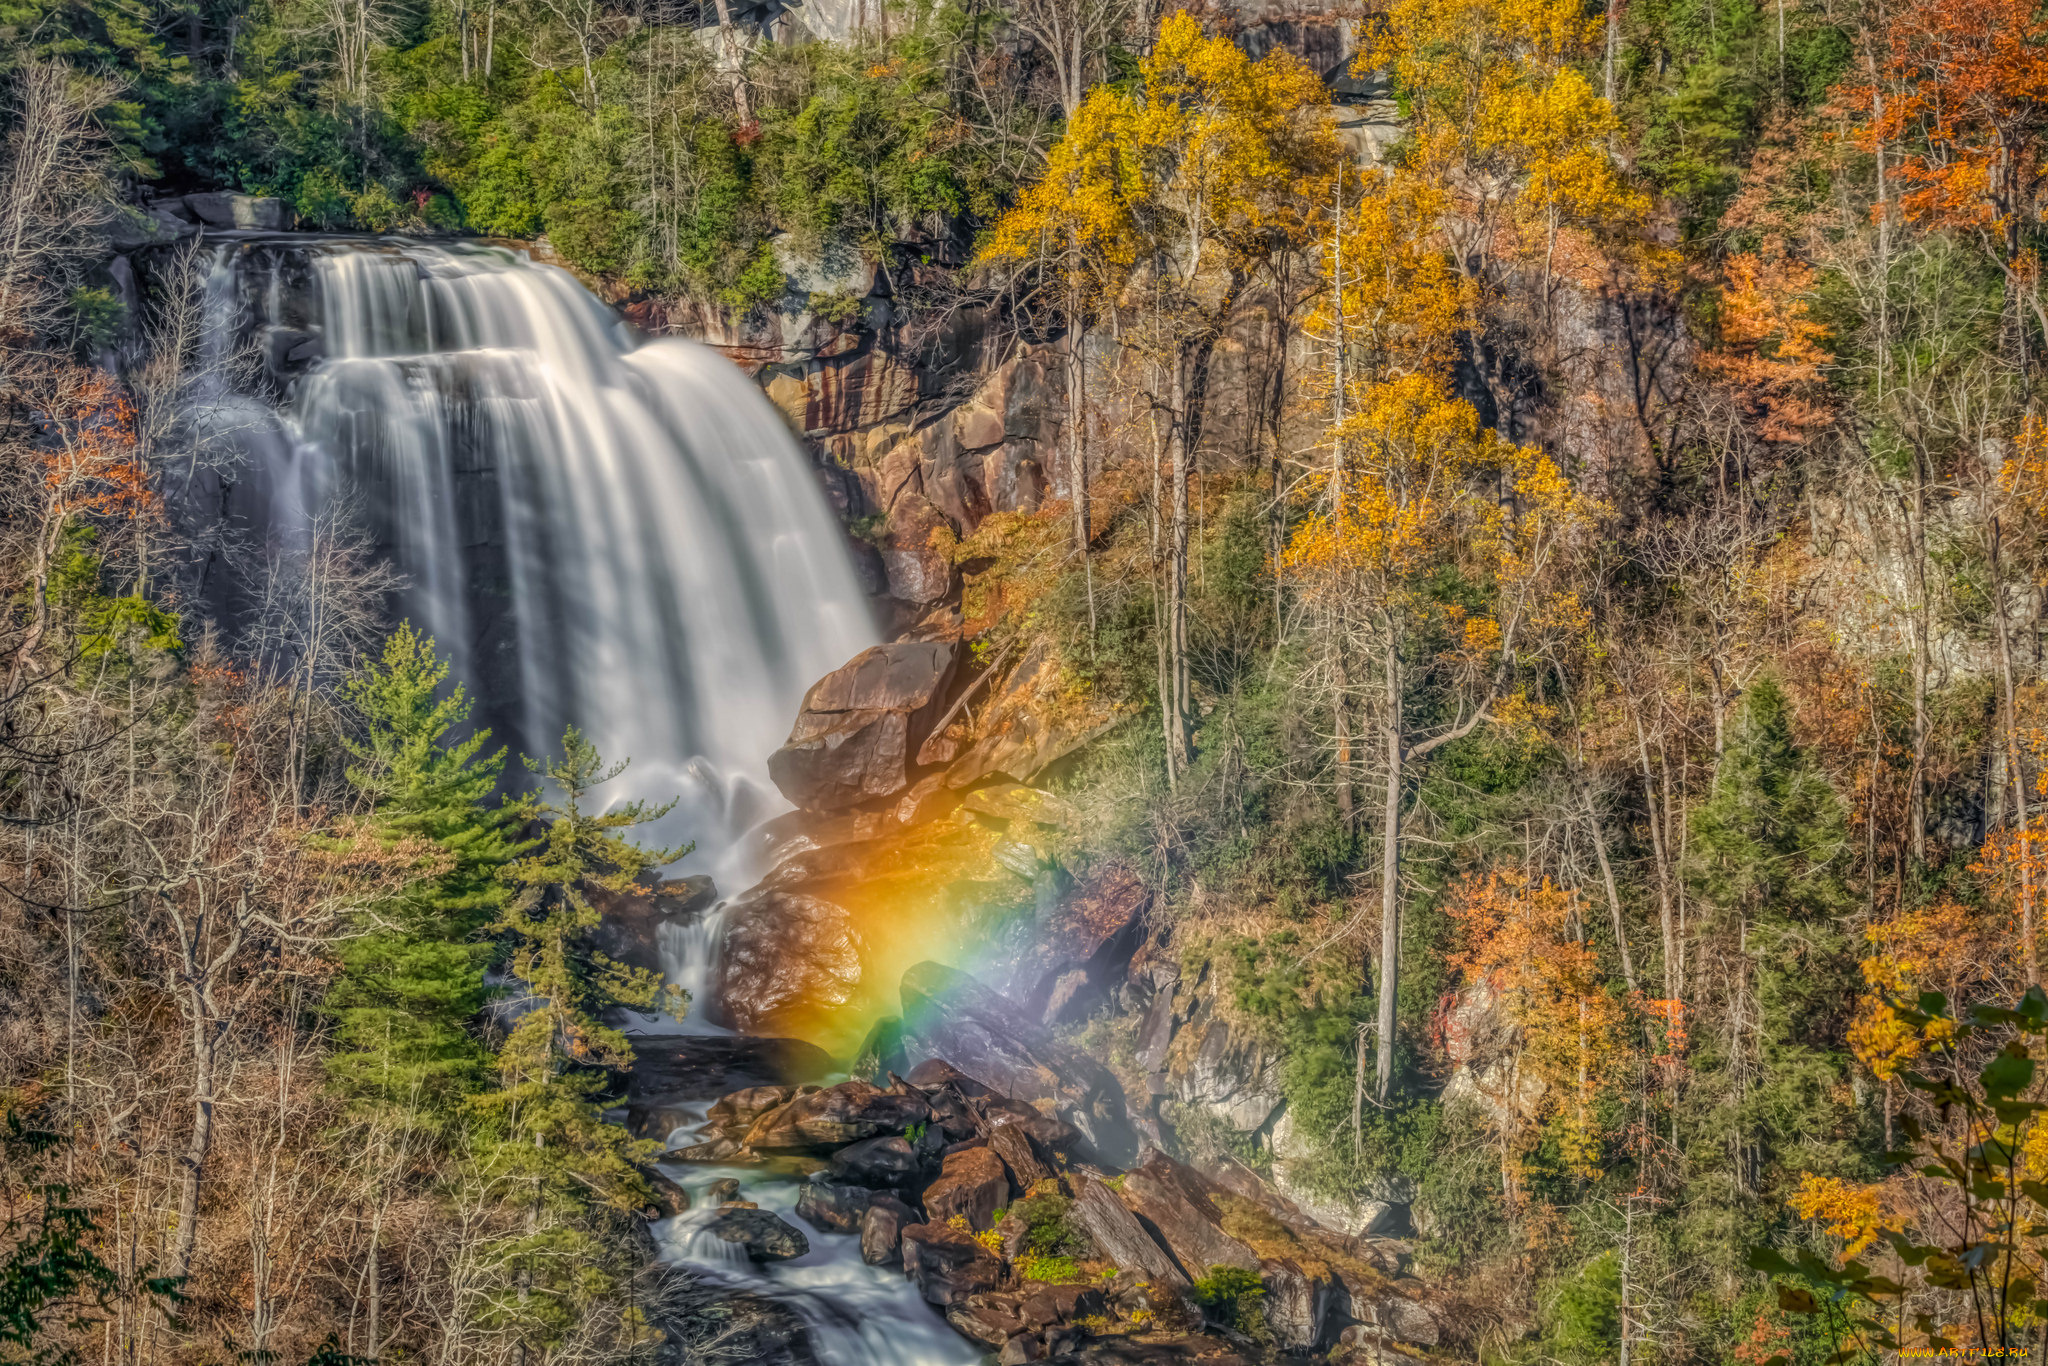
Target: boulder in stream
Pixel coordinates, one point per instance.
(947, 1264)
(764, 1235)
(881, 1230)
(837, 1115)
(833, 1208)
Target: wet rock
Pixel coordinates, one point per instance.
(860, 724)
(738, 1110)
(833, 1208)
(1118, 1235)
(765, 1237)
(947, 1264)
(948, 1014)
(723, 1189)
(972, 1185)
(221, 209)
(719, 1149)
(674, 1068)
(670, 1199)
(888, 1160)
(835, 1116)
(785, 954)
(746, 1327)
(1177, 1205)
(881, 1230)
(1050, 1135)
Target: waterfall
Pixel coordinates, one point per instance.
(599, 531)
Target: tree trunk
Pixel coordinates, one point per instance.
(1628, 967)
(2030, 957)
(1390, 871)
(192, 1165)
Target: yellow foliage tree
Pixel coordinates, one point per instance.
(1403, 504)
(1184, 190)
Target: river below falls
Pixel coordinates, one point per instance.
(858, 1315)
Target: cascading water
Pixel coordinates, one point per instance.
(619, 536)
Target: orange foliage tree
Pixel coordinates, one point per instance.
(1525, 942)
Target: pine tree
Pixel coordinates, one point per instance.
(1767, 851)
(412, 987)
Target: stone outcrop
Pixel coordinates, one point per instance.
(250, 213)
(834, 1117)
(1177, 1205)
(786, 953)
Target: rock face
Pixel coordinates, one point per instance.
(948, 1014)
(765, 1237)
(972, 1185)
(948, 1265)
(860, 726)
(221, 209)
(1119, 1236)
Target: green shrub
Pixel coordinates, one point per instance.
(1048, 1231)
(1051, 1270)
(1232, 1295)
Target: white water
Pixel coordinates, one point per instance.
(672, 575)
(858, 1315)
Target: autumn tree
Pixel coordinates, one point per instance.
(1178, 193)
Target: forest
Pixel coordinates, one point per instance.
(1535, 530)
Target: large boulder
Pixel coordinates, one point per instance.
(765, 1237)
(787, 954)
(860, 724)
(972, 1185)
(1178, 1204)
(948, 1014)
(947, 1264)
(888, 1160)
(833, 1208)
(835, 1116)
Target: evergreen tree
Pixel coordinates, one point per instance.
(412, 986)
(555, 1062)
(1767, 1094)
